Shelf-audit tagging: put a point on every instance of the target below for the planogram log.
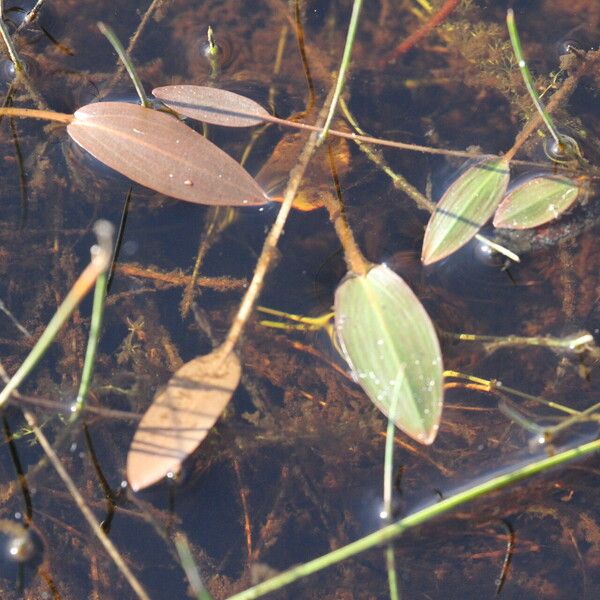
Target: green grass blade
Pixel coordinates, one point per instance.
(390, 343)
(464, 208)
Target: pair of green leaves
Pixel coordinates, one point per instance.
(479, 192)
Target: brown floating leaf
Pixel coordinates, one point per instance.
(180, 417)
(160, 152)
(211, 105)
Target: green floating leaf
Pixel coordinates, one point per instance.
(536, 201)
(160, 152)
(390, 343)
(211, 105)
(180, 417)
(464, 208)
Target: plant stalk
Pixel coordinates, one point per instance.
(419, 517)
(341, 78)
(100, 262)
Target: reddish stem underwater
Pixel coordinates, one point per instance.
(414, 38)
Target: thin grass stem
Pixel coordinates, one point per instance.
(99, 263)
(388, 471)
(92, 345)
(190, 567)
(526, 74)
(421, 516)
(126, 60)
(341, 78)
(12, 51)
(83, 507)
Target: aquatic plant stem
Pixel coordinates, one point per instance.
(92, 345)
(414, 38)
(417, 518)
(31, 15)
(12, 51)
(190, 567)
(355, 260)
(341, 78)
(154, 6)
(100, 262)
(527, 78)
(270, 244)
(33, 113)
(126, 60)
(558, 98)
(83, 507)
(388, 471)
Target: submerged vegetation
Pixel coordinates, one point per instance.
(261, 128)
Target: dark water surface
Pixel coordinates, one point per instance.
(295, 468)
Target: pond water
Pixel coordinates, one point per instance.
(295, 467)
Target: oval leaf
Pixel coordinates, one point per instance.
(464, 208)
(536, 201)
(390, 343)
(211, 105)
(158, 151)
(180, 417)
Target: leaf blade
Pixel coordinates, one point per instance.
(159, 152)
(536, 201)
(180, 417)
(390, 344)
(464, 208)
(211, 105)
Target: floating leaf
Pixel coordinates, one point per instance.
(160, 152)
(211, 105)
(464, 208)
(536, 201)
(180, 417)
(390, 343)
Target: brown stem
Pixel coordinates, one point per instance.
(414, 38)
(355, 260)
(32, 113)
(270, 245)
(560, 97)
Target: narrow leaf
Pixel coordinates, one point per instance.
(211, 105)
(536, 201)
(158, 151)
(464, 208)
(390, 343)
(180, 417)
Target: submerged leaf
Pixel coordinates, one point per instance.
(158, 151)
(211, 105)
(180, 417)
(464, 208)
(536, 201)
(390, 343)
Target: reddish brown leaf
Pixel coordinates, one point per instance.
(158, 151)
(212, 105)
(180, 417)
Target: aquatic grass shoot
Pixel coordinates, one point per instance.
(99, 263)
